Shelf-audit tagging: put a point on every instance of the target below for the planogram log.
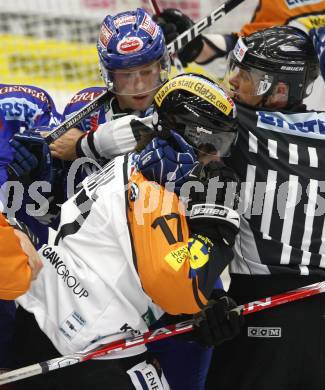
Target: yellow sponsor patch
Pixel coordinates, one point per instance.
(199, 253)
(199, 87)
(177, 257)
(312, 21)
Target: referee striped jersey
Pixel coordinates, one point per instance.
(280, 158)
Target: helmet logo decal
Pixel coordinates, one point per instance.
(203, 130)
(205, 90)
(264, 85)
(123, 20)
(307, 22)
(292, 68)
(240, 50)
(149, 26)
(105, 35)
(287, 48)
(129, 45)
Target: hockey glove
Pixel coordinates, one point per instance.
(221, 44)
(218, 322)
(142, 133)
(162, 163)
(32, 160)
(318, 37)
(173, 22)
(213, 201)
(140, 128)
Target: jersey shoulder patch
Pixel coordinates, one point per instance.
(82, 98)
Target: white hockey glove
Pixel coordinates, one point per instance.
(112, 139)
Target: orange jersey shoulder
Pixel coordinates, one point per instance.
(15, 273)
(160, 238)
(273, 13)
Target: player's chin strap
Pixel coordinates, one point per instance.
(158, 334)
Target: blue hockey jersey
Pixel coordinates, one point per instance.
(22, 107)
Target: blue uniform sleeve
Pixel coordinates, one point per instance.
(50, 116)
(79, 100)
(22, 107)
(5, 159)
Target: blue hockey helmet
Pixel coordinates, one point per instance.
(129, 42)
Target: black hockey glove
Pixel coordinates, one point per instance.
(173, 22)
(217, 322)
(221, 44)
(213, 201)
(142, 133)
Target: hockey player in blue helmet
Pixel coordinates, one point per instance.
(134, 63)
(185, 361)
(133, 58)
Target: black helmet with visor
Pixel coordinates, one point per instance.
(277, 54)
(198, 109)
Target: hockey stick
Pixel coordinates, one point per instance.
(77, 117)
(188, 35)
(155, 7)
(158, 334)
(174, 57)
(182, 40)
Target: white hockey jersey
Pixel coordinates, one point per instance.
(122, 255)
(89, 288)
